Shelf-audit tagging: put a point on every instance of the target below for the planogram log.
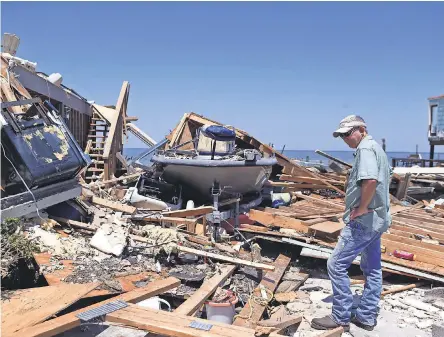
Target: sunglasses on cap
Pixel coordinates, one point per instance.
(344, 135)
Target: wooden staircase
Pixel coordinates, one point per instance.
(98, 132)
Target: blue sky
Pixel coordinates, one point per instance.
(286, 72)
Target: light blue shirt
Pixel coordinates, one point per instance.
(370, 163)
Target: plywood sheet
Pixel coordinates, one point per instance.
(31, 306)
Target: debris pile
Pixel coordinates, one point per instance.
(219, 224)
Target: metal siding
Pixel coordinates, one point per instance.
(38, 84)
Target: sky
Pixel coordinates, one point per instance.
(285, 72)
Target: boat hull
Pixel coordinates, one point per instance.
(233, 176)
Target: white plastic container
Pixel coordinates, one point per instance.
(154, 303)
(55, 78)
(221, 312)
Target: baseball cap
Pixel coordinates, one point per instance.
(349, 123)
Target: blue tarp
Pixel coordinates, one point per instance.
(218, 133)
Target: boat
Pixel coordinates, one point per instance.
(215, 165)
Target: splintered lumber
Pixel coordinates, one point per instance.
(31, 306)
(74, 223)
(291, 296)
(253, 311)
(327, 229)
(293, 170)
(301, 187)
(253, 228)
(282, 324)
(115, 180)
(164, 219)
(192, 304)
(326, 155)
(69, 321)
(270, 219)
(174, 325)
(403, 288)
(219, 257)
(294, 281)
(116, 206)
(337, 332)
(287, 180)
(189, 212)
(339, 207)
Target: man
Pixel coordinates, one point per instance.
(367, 216)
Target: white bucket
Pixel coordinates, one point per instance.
(154, 303)
(221, 312)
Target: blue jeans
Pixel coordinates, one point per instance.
(354, 239)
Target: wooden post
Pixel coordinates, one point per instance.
(403, 186)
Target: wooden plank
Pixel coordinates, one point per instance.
(300, 179)
(421, 219)
(10, 97)
(122, 159)
(390, 263)
(415, 265)
(301, 187)
(174, 325)
(407, 229)
(295, 212)
(403, 185)
(189, 212)
(253, 228)
(298, 279)
(285, 322)
(291, 296)
(69, 321)
(309, 180)
(219, 257)
(253, 311)
(177, 132)
(172, 220)
(112, 181)
(333, 333)
(293, 169)
(422, 254)
(404, 288)
(406, 233)
(116, 206)
(192, 304)
(31, 306)
(328, 229)
(413, 242)
(269, 219)
(420, 224)
(340, 207)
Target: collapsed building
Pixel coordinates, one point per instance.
(230, 256)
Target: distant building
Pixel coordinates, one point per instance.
(436, 123)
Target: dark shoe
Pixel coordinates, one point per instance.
(361, 325)
(326, 323)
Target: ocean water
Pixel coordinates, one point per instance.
(311, 155)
